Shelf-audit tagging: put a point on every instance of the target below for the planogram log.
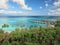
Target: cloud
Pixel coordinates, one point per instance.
(57, 3)
(10, 12)
(40, 7)
(56, 11)
(4, 7)
(17, 13)
(22, 4)
(3, 4)
(51, 11)
(46, 5)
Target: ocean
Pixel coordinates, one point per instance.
(24, 21)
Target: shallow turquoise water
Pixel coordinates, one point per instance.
(21, 22)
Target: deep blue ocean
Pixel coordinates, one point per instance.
(24, 21)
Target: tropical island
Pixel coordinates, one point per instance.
(31, 36)
(29, 22)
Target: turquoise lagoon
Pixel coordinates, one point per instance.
(23, 22)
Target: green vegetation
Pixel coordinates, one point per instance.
(32, 36)
(5, 26)
(57, 24)
(1, 33)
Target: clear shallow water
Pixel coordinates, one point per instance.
(22, 22)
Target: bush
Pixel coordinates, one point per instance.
(33, 36)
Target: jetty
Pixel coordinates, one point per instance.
(49, 23)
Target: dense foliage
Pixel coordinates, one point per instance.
(32, 36)
(57, 24)
(5, 26)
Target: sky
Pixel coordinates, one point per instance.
(29, 7)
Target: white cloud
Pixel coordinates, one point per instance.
(18, 13)
(10, 12)
(3, 4)
(51, 11)
(40, 7)
(22, 4)
(46, 5)
(56, 11)
(57, 3)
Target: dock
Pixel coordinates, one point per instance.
(48, 22)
